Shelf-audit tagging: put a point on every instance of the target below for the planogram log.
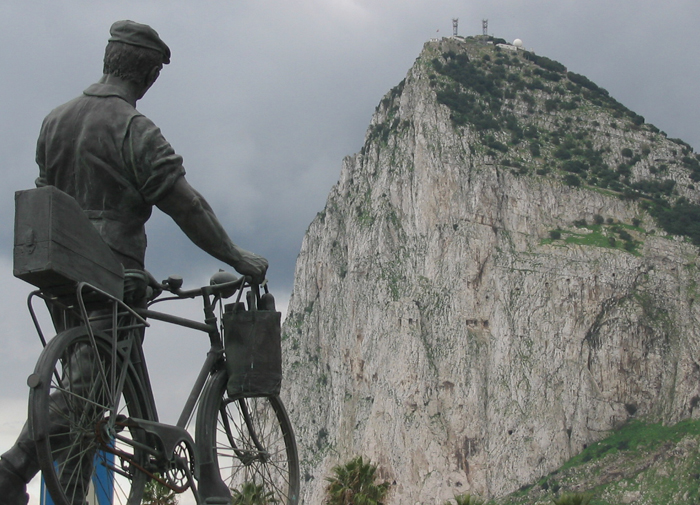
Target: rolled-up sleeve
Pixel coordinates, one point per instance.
(153, 163)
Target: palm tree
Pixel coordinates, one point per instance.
(156, 493)
(252, 494)
(354, 484)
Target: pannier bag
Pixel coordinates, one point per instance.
(253, 351)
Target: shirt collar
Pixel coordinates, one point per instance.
(105, 90)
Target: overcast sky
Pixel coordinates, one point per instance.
(264, 98)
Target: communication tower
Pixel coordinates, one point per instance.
(485, 26)
(454, 26)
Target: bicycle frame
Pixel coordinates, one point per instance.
(112, 314)
(214, 355)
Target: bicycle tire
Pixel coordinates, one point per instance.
(70, 410)
(250, 443)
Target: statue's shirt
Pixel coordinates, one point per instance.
(113, 160)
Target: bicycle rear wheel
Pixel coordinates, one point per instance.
(251, 443)
(79, 409)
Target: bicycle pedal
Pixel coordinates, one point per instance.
(120, 423)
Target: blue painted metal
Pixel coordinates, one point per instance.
(102, 482)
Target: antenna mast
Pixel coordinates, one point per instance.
(485, 26)
(454, 26)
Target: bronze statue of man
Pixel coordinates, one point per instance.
(116, 163)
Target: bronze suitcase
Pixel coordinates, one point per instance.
(56, 245)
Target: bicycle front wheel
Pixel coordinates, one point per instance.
(80, 403)
(252, 445)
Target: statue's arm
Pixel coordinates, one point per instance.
(195, 217)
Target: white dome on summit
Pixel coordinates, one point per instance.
(518, 43)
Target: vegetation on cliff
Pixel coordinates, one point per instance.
(641, 463)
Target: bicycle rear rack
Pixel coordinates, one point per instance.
(90, 306)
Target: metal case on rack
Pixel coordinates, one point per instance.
(56, 246)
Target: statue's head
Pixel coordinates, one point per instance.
(135, 53)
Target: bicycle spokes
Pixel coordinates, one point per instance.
(254, 446)
(80, 414)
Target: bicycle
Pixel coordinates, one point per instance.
(94, 420)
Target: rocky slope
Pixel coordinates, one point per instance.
(640, 463)
(493, 283)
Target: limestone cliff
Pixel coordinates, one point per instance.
(490, 286)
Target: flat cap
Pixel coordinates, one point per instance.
(139, 35)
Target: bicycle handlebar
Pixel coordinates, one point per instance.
(223, 283)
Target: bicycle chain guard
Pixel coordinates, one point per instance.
(177, 454)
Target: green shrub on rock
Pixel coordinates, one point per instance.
(466, 499)
(572, 499)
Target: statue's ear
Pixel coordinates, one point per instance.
(149, 80)
(152, 76)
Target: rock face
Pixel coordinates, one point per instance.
(454, 319)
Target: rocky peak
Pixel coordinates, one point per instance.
(502, 275)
